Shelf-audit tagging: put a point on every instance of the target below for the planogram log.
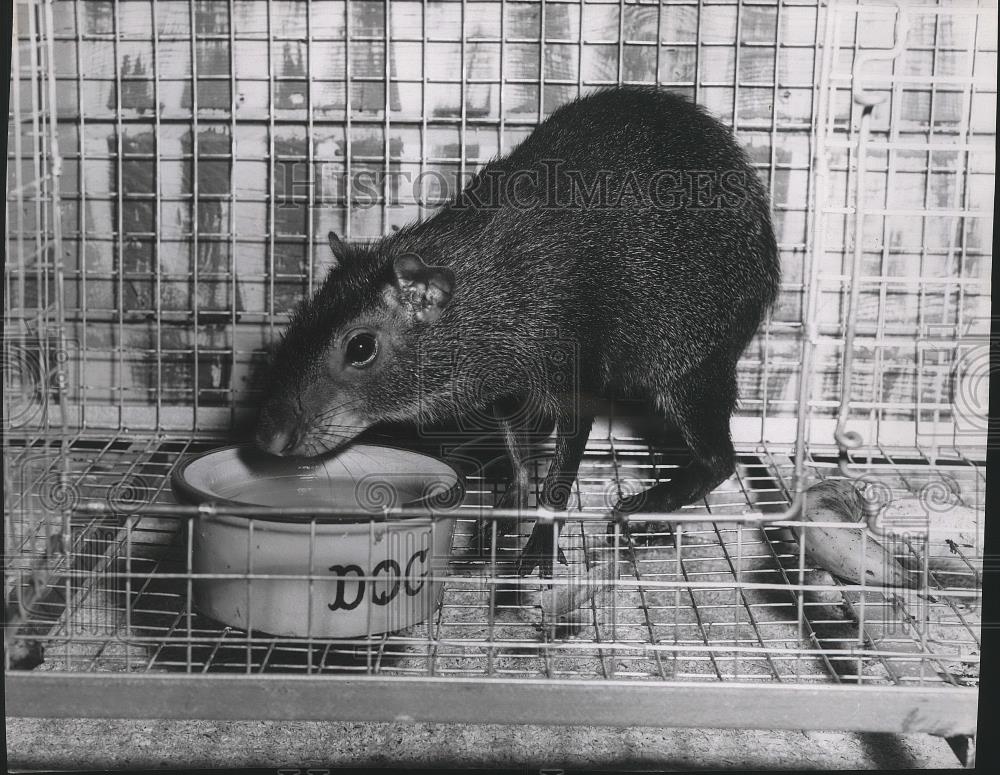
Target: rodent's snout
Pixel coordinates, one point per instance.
(276, 442)
(276, 435)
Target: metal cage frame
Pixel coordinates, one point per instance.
(116, 338)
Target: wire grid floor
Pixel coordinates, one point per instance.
(111, 608)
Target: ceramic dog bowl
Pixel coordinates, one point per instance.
(368, 576)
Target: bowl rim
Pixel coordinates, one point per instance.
(186, 492)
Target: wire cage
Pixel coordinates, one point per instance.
(173, 169)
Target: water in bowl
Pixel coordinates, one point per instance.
(317, 491)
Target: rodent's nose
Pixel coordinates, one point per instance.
(278, 443)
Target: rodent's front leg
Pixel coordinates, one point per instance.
(516, 442)
(572, 431)
(516, 495)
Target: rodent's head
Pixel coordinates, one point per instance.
(348, 358)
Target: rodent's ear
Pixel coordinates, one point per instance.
(423, 291)
(337, 247)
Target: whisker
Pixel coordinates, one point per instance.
(319, 417)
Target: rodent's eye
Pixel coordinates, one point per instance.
(361, 350)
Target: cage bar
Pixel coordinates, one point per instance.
(162, 255)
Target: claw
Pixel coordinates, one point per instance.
(641, 531)
(537, 553)
(512, 497)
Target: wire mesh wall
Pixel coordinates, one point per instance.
(34, 346)
(918, 255)
(209, 147)
(206, 148)
(33, 293)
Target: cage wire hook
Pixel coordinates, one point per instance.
(851, 439)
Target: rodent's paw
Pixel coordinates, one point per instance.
(652, 533)
(624, 512)
(537, 553)
(642, 533)
(526, 563)
(631, 505)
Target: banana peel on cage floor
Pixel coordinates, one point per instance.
(832, 615)
(832, 621)
(560, 601)
(954, 544)
(847, 553)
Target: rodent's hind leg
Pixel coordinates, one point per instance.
(572, 431)
(701, 409)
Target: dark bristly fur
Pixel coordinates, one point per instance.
(656, 301)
